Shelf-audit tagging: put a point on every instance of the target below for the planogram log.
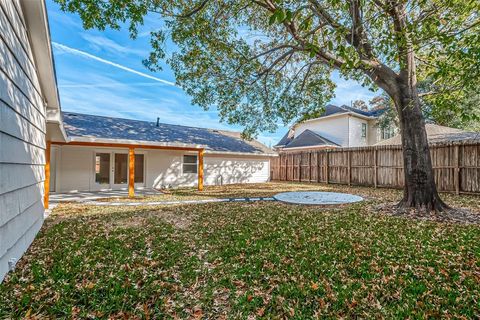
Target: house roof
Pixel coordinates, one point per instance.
(332, 109)
(308, 138)
(436, 134)
(79, 125)
(286, 139)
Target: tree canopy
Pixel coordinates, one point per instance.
(264, 61)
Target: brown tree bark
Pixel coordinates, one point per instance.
(420, 190)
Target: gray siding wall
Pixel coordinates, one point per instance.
(22, 138)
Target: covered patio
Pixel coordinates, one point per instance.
(85, 196)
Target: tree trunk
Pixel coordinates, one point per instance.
(420, 190)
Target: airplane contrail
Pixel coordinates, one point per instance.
(119, 66)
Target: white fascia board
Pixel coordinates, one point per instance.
(36, 18)
(54, 116)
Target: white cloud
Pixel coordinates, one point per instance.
(74, 51)
(104, 43)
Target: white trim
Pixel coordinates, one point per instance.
(35, 13)
(196, 163)
(338, 114)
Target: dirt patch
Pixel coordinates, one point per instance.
(453, 215)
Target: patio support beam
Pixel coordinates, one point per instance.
(46, 193)
(131, 172)
(200, 169)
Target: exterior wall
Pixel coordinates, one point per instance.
(22, 138)
(74, 169)
(373, 133)
(164, 169)
(333, 128)
(227, 170)
(345, 130)
(355, 132)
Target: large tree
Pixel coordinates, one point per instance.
(259, 61)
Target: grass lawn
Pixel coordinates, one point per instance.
(248, 260)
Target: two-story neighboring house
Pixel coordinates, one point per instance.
(337, 127)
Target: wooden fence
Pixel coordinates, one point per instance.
(456, 166)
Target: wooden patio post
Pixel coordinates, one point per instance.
(200, 169)
(131, 172)
(46, 193)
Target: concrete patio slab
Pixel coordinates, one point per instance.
(86, 196)
(317, 197)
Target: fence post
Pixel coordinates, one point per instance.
(310, 165)
(326, 166)
(299, 166)
(318, 166)
(375, 166)
(349, 168)
(457, 170)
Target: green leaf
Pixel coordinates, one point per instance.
(272, 19)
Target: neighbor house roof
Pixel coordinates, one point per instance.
(332, 109)
(308, 138)
(80, 126)
(437, 134)
(286, 139)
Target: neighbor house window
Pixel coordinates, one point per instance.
(364, 130)
(189, 164)
(387, 133)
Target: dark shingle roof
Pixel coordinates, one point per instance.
(309, 138)
(92, 126)
(332, 109)
(368, 113)
(286, 139)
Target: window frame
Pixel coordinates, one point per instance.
(364, 130)
(190, 164)
(387, 133)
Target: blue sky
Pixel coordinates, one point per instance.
(101, 72)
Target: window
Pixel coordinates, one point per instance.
(102, 168)
(387, 133)
(189, 164)
(364, 130)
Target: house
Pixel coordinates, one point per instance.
(437, 134)
(29, 116)
(337, 127)
(43, 150)
(113, 153)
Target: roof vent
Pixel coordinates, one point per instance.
(158, 121)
